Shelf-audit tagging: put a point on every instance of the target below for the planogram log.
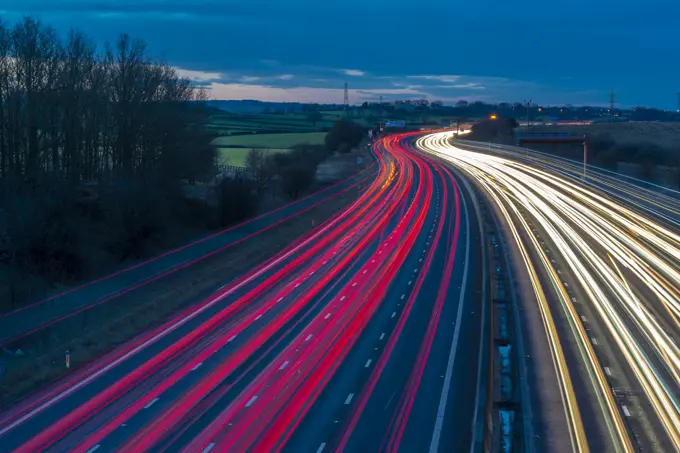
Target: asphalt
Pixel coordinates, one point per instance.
(401, 354)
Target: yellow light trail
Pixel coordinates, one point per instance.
(598, 238)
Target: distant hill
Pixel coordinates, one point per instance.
(256, 106)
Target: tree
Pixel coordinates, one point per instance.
(344, 135)
(260, 166)
(314, 116)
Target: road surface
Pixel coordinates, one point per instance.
(363, 337)
(603, 259)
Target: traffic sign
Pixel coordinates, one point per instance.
(395, 123)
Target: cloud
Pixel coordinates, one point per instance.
(438, 78)
(464, 86)
(249, 79)
(286, 77)
(353, 72)
(198, 76)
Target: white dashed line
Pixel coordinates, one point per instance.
(364, 271)
(349, 398)
(284, 365)
(233, 337)
(409, 282)
(583, 318)
(420, 260)
(354, 284)
(251, 401)
(394, 313)
(321, 447)
(327, 316)
(95, 448)
(258, 317)
(382, 335)
(403, 295)
(312, 273)
(594, 340)
(343, 298)
(368, 363)
(279, 299)
(297, 285)
(373, 261)
(607, 371)
(625, 411)
(151, 403)
(309, 337)
(198, 365)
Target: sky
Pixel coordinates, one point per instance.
(553, 53)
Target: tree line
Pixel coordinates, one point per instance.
(94, 145)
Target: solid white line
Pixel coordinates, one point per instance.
(382, 335)
(349, 398)
(95, 448)
(251, 401)
(208, 448)
(321, 447)
(437, 432)
(284, 365)
(309, 337)
(151, 403)
(607, 371)
(368, 363)
(625, 411)
(198, 365)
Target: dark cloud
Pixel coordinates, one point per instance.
(578, 50)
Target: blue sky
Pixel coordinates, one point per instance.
(493, 50)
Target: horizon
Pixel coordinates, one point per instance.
(265, 51)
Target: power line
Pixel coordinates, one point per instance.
(346, 96)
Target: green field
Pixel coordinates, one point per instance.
(237, 156)
(275, 141)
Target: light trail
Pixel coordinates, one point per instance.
(624, 256)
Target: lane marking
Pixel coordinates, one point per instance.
(95, 448)
(607, 371)
(625, 411)
(436, 433)
(309, 337)
(351, 395)
(403, 295)
(233, 337)
(208, 448)
(344, 297)
(321, 447)
(365, 271)
(368, 363)
(394, 313)
(354, 284)
(584, 319)
(279, 299)
(297, 285)
(284, 365)
(594, 340)
(382, 335)
(198, 365)
(258, 317)
(151, 403)
(251, 401)
(410, 281)
(327, 316)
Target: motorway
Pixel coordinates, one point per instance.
(364, 336)
(602, 258)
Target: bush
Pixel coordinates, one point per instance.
(344, 135)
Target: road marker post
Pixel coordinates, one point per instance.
(68, 359)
